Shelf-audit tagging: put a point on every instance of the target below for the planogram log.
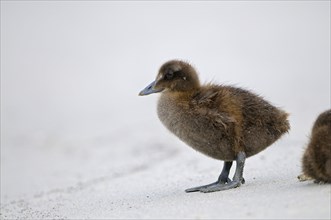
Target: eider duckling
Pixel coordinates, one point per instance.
(222, 122)
(316, 160)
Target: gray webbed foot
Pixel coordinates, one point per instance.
(199, 188)
(222, 179)
(224, 182)
(219, 187)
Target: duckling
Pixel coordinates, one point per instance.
(316, 160)
(223, 122)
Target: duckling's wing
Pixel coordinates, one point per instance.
(220, 119)
(206, 104)
(206, 97)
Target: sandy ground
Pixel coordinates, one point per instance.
(78, 143)
(147, 180)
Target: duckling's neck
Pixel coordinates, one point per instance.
(177, 95)
(173, 105)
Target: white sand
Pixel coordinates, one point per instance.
(147, 180)
(77, 142)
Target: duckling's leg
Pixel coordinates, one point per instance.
(222, 179)
(237, 178)
(224, 176)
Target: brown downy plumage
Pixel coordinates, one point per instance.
(316, 161)
(223, 122)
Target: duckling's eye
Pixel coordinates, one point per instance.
(169, 74)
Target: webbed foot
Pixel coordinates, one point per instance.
(223, 182)
(219, 187)
(201, 188)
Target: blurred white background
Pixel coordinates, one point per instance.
(75, 68)
(72, 71)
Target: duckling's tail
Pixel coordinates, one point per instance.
(283, 123)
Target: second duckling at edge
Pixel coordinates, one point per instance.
(223, 122)
(316, 161)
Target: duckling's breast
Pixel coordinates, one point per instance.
(193, 128)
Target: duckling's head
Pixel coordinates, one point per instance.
(173, 76)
